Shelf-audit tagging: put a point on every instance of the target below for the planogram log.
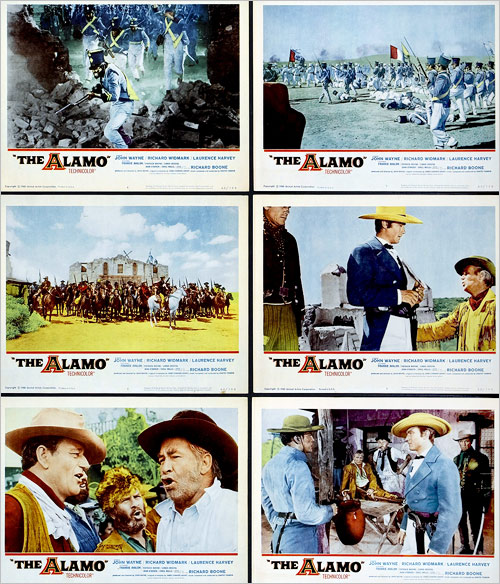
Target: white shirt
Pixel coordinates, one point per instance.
(415, 465)
(208, 526)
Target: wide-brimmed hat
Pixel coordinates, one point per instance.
(295, 424)
(441, 426)
(479, 261)
(464, 434)
(63, 423)
(392, 214)
(197, 428)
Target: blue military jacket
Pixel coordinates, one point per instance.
(435, 488)
(373, 280)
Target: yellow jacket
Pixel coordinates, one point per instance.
(115, 544)
(476, 328)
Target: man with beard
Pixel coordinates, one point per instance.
(283, 295)
(56, 451)
(119, 495)
(198, 469)
(84, 529)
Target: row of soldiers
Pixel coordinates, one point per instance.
(128, 32)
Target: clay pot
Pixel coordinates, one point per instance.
(350, 522)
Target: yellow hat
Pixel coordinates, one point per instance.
(441, 426)
(392, 214)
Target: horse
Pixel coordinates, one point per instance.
(174, 300)
(49, 301)
(229, 297)
(115, 304)
(219, 304)
(101, 302)
(154, 304)
(128, 305)
(85, 306)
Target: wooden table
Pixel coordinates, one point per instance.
(374, 512)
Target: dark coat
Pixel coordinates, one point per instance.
(273, 274)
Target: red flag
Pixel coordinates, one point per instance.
(396, 53)
(291, 58)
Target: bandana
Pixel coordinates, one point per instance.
(476, 301)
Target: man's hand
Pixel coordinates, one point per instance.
(370, 493)
(401, 536)
(411, 297)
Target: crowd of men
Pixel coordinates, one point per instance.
(49, 509)
(127, 32)
(105, 300)
(446, 89)
(441, 495)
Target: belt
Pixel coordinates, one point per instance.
(287, 515)
(124, 99)
(135, 43)
(422, 520)
(403, 310)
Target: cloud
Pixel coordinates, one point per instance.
(12, 222)
(111, 223)
(221, 239)
(192, 234)
(57, 226)
(164, 232)
(106, 248)
(231, 255)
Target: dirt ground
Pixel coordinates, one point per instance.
(364, 125)
(69, 333)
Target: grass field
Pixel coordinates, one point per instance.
(69, 333)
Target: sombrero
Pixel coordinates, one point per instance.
(392, 214)
(64, 423)
(441, 426)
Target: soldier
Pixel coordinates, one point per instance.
(475, 489)
(326, 80)
(114, 87)
(138, 43)
(175, 41)
(457, 91)
(490, 82)
(470, 89)
(480, 85)
(118, 43)
(92, 30)
(440, 108)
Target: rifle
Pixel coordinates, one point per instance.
(109, 50)
(418, 60)
(84, 98)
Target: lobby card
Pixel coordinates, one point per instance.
(361, 109)
(334, 472)
(375, 291)
(114, 443)
(147, 293)
(163, 106)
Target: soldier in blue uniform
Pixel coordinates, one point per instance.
(113, 87)
(457, 90)
(92, 30)
(117, 41)
(490, 82)
(440, 108)
(470, 89)
(138, 43)
(480, 85)
(175, 41)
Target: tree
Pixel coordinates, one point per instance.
(122, 448)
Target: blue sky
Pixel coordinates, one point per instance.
(226, 418)
(431, 249)
(351, 31)
(195, 242)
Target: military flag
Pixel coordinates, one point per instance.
(396, 53)
(405, 51)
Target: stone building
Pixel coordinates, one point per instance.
(119, 269)
(336, 325)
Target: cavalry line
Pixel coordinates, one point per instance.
(69, 333)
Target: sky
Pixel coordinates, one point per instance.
(431, 249)
(194, 242)
(350, 31)
(226, 418)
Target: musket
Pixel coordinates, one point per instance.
(418, 60)
(84, 98)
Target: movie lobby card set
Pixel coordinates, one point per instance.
(248, 312)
